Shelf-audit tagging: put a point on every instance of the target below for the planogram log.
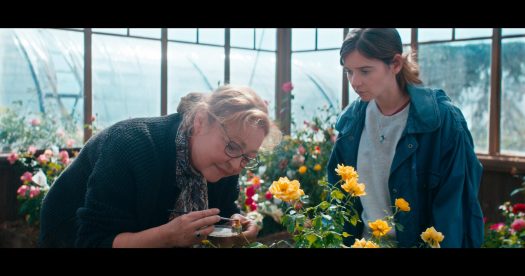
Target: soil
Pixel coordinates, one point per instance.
(18, 234)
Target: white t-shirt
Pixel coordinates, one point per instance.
(374, 159)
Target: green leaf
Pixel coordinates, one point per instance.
(323, 205)
(337, 194)
(399, 227)
(322, 182)
(311, 238)
(354, 220)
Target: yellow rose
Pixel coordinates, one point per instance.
(286, 190)
(362, 243)
(402, 204)
(379, 228)
(302, 169)
(432, 237)
(317, 167)
(346, 172)
(353, 188)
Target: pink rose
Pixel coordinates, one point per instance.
(302, 150)
(42, 159)
(64, 157)
(70, 143)
(22, 190)
(35, 122)
(497, 226)
(48, 153)
(34, 191)
(27, 177)
(12, 157)
(518, 225)
(31, 150)
(287, 86)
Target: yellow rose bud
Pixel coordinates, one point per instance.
(402, 204)
(317, 167)
(302, 169)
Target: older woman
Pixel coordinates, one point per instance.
(163, 181)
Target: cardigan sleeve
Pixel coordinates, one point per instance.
(110, 197)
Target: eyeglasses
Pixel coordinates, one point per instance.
(234, 150)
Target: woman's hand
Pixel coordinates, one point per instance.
(191, 228)
(250, 228)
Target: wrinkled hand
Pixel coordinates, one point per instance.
(191, 228)
(250, 228)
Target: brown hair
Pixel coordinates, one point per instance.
(229, 104)
(382, 44)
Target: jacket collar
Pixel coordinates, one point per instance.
(423, 115)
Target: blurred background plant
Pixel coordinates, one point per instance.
(38, 170)
(302, 156)
(21, 130)
(511, 231)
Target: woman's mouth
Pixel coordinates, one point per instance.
(222, 171)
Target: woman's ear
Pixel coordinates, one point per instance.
(397, 63)
(199, 123)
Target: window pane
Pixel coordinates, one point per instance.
(513, 96)
(316, 77)
(145, 32)
(513, 31)
(473, 32)
(41, 76)
(119, 31)
(303, 39)
(434, 34)
(126, 78)
(329, 38)
(462, 70)
(192, 68)
(211, 36)
(265, 39)
(405, 34)
(257, 70)
(241, 38)
(187, 34)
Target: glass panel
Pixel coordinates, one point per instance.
(462, 70)
(513, 96)
(329, 38)
(473, 32)
(303, 39)
(257, 70)
(126, 78)
(41, 76)
(145, 32)
(119, 31)
(513, 31)
(434, 34)
(186, 34)
(316, 77)
(211, 36)
(405, 34)
(193, 68)
(241, 37)
(266, 39)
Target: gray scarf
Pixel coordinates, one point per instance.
(192, 185)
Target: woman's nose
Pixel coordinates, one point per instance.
(236, 164)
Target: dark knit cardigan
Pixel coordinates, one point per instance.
(123, 180)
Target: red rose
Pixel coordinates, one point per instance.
(518, 207)
(253, 206)
(268, 195)
(248, 201)
(250, 191)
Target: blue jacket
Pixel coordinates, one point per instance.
(434, 168)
